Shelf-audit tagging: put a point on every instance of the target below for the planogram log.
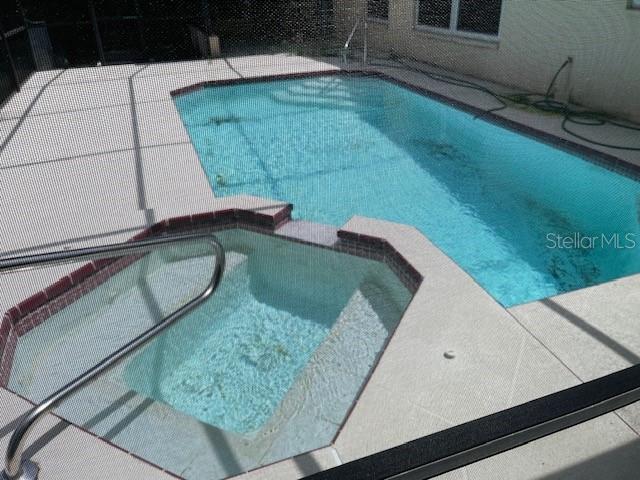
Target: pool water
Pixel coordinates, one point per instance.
(245, 357)
(497, 202)
(266, 369)
(237, 357)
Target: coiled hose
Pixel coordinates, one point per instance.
(545, 104)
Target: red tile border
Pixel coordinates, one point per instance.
(157, 228)
(178, 223)
(6, 357)
(81, 274)
(407, 273)
(36, 309)
(203, 218)
(5, 326)
(32, 303)
(102, 263)
(13, 313)
(146, 233)
(58, 288)
(244, 80)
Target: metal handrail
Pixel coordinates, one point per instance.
(347, 44)
(15, 467)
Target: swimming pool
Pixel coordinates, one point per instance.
(266, 369)
(512, 211)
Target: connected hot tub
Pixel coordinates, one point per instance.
(268, 368)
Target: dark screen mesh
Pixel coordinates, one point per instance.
(118, 114)
(160, 30)
(480, 16)
(16, 58)
(378, 8)
(6, 82)
(434, 13)
(76, 33)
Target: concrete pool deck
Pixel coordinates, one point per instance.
(88, 156)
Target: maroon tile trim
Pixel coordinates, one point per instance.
(32, 303)
(36, 309)
(365, 246)
(178, 223)
(244, 80)
(8, 351)
(204, 218)
(58, 288)
(84, 272)
(403, 269)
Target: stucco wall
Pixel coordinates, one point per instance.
(536, 37)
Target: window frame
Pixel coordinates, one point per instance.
(453, 24)
(371, 18)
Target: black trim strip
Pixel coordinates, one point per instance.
(478, 439)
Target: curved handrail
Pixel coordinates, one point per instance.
(347, 44)
(13, 459)
(353, 32)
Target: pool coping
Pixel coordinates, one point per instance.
(584, 152)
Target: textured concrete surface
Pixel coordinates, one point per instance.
(297, 467)
(88, 156)
(64, 452)
(91, 155)
(593, 331)
(498, 363)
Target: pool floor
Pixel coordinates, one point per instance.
(238, 358)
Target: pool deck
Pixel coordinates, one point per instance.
(88, 157)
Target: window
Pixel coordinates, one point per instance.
(378, 9)
(465, 16)
(634, 4)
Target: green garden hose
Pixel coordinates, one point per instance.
(545, 104)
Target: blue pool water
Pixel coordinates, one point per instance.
(490, 198)
(267, 368)
(231, 362)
